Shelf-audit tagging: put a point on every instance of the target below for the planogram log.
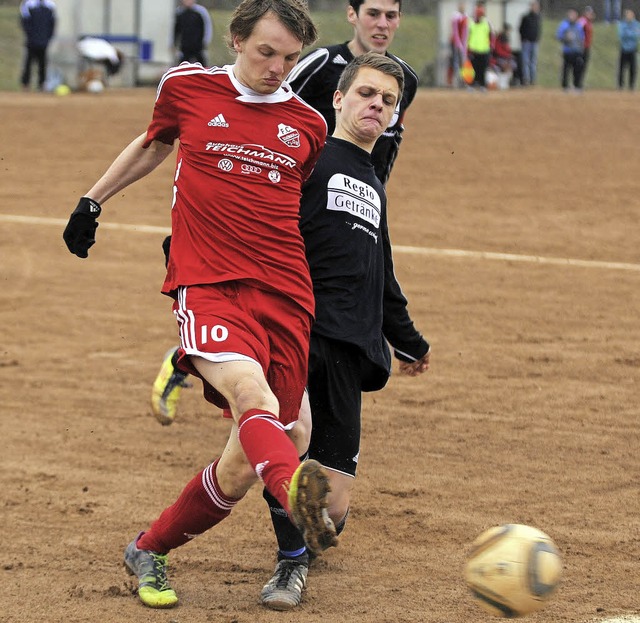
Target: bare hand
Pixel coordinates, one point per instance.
(415, 367)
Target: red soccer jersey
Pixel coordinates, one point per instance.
(241, 162)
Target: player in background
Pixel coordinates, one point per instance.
(192, 32)
(459, 36)
(316, 76)
(360, 306)
(237, 271)
(38, 20)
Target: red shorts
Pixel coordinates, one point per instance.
(235, 321)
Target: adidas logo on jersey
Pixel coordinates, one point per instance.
(218, 122)
(339, 60)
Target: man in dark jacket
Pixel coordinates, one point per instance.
(38, 18)
(530, 30)
(192, 32)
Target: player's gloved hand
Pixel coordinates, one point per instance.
(80, 232)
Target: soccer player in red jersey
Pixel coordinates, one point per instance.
(237, 266)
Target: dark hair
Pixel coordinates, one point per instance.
(376, 61)
(356, 4)
(294, 15)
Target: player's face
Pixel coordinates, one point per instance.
(374, 25)
(366, 109)
(266, 56)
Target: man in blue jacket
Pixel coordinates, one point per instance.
(570, 33)
(628, 36)
(38, 18)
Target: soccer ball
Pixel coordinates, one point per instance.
(513, 570)
(95, 86)
(62, 90)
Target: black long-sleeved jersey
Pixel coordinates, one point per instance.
(315, 79)
(343, 220)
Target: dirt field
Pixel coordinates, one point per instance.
(529, 413)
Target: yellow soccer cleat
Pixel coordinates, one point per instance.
(151, 570)
(167, 389)
(308, 492)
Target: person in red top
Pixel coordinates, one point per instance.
(502, 56)
(459, 35)
(237, 272)
(586, 21)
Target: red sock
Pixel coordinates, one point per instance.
(201, 506)
(270, 451)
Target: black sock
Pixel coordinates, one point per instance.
(290, 541)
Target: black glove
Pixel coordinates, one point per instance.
(80, 232)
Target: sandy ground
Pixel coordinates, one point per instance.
(529, 413)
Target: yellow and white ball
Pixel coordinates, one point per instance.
(513, 570)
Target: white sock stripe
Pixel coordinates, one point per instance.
(212, 491)
(267, 418)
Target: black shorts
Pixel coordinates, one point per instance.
(335, 392)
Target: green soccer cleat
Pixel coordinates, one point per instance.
(151, 569)
(308, 492)
(166, 390)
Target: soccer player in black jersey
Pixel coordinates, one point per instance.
(359, 304)
(316, 76)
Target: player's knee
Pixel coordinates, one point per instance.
(249, 393)
(338, 504)
(300, 434)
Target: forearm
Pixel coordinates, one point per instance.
(133, 163)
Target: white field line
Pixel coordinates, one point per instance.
(456, 253)
(59, 222)
(512, 257)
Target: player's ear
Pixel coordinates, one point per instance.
(352, 16)
(337, 100)
(237, 43)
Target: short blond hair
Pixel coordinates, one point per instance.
(380, 62)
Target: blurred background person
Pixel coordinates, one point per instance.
(571, 36)
(479, 45)
(192, 33)
(502, 59)
(612, 10)
(586, 21)
(628, 36)
(530, 31)
(38, 20)
(459, 35)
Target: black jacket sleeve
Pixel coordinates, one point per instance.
(397, 326)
